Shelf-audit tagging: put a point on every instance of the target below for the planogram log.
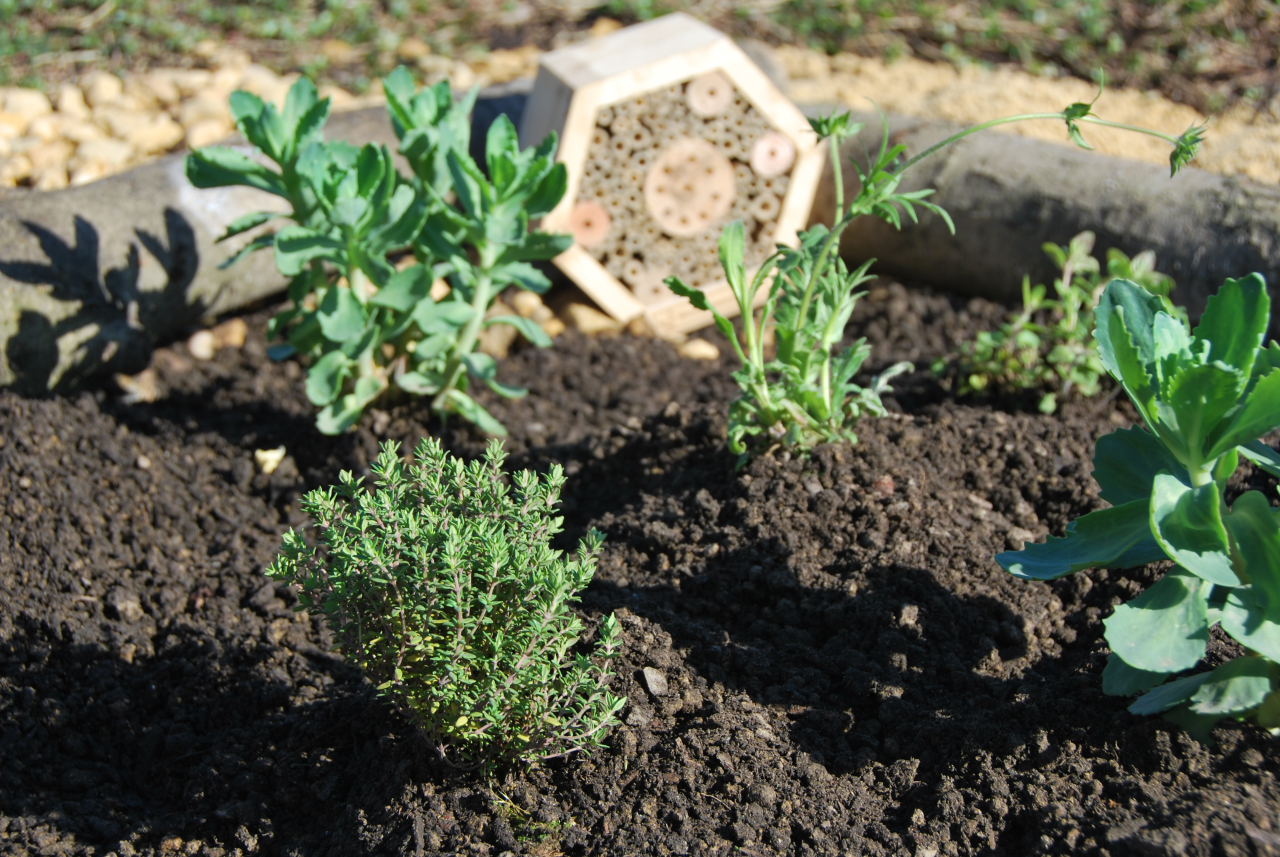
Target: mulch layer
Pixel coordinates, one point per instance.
(847, 671)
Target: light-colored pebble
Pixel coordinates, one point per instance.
(101, 88)
(206, 132)
(591, 321)
(26, 102)
(268, 459)
(70, 101)
(202, 345)
(655, 681)
(159, 134)
(231, 333)
(698, 349)
(111, 153)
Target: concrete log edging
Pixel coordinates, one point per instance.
(92, 276)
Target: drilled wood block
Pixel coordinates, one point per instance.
(669, 131)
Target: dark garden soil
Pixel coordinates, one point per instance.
(820, 655)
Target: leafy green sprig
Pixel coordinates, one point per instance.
(365, 327)
(440, 583)
(1048, 344)
(1206, 396)
(804, 395)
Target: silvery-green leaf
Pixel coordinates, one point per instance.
(1187, 523)
(471, 411)
(1164, 629)
(216, 166)
(442, 317)
(418, 383)
(528, 328)
(1256, 533)
(523, 274)
(1126, 462)
(325, 378)
(405, 289)
(1109, 538)
(1120, 679)
(1246, 618)
(246, 222)
(340, 314)
(1201, 396)
(1124, 322)
(1262, 456)
(1235, 321)
(480, 365)
(1259, 416)
(549, 192)
(1166, 696)
(1234, 688)
(298, 246)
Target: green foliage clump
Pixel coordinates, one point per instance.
(1048, 345)
(1206, 396)
(442, 586)
(364, 326)
(804, 395)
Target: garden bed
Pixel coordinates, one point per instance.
(820, 656)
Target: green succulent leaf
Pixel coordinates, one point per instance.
(326, 376)
(1187, 523)
(1235, 321)
(405, 290)
(298, 246)
(246, 222)
(420, 383)
(1262, 456)
(1118, 537)
(1168, 695)
(1259, 415)
(1234, 688)
(548, 192)
(217, 166)
(528, 328)
(1255, 533)
(262, 242)
(443, 317)
(342, 414)
(1200, 396)
(340, 314)
(1125, 464)
(480, 365)
(1120, 679)
(1248, 618)
(1124, 332)
(1166, 628)
(471, 411)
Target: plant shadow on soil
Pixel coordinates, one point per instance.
(845, 669)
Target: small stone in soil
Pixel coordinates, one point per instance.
(655, 681)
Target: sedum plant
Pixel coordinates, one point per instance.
(1048, 345)
(440, 583)
(805, 395)
(1206, 396)
(364, 326)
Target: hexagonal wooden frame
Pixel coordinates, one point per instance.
(574, 83)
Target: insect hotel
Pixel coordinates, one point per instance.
(668, 131)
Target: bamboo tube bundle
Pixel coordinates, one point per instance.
(669, 132)
(681, 162)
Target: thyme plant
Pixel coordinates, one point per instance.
(363, 326)
(440, 583)
(804, 395)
